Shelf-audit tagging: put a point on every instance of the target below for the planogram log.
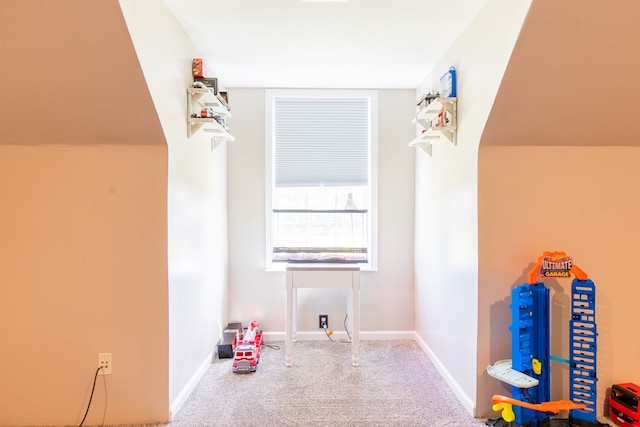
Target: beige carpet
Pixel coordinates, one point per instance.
(396, 384)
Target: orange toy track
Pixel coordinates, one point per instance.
(554, 406)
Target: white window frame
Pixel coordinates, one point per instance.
(372, 95)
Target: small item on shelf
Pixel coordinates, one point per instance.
(209, 113)
(221, 122)
(208, 82)
(224, 99)
(206, 112)
(442, 119)
(448, 83)
(197, 67)
(426, 100)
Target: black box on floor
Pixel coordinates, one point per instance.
(227, 344)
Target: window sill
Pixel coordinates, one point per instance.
(282, 267)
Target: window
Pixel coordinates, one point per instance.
(321, 173)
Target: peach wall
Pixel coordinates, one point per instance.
(83, 254)
(83, 180)
(582, 200)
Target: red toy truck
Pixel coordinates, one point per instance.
(623, 404)
(247, 352)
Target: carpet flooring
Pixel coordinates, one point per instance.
(396, 384)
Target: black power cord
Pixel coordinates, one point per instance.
(346, 328)
(95, 378)
(271, 346)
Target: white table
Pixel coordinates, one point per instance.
(326, 275)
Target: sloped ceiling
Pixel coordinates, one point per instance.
(70, 75)
(572, 78)
(318, 44)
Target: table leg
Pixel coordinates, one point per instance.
(355, 345)
(294, 310)
(288, 321)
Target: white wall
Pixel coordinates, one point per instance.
(446, 258)
(387, 296)
(197, 215)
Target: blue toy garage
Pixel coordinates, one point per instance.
(528, 371)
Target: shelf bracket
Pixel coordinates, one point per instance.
(218, 138)
(427, 147)
(216, 141)
(448, 133)
(196, 95)
(193, 127)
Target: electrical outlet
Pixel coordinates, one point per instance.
(104, 362)
(323, 321)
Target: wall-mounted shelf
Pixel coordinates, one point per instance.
(202, 101)
(438, 120)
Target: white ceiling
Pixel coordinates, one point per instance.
(313, 44)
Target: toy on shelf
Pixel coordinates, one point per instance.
(528, 371)
(247, 351)
(448, 83)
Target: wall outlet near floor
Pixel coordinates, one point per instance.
(104, 362)
(323, 321)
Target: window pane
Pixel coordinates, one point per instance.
(313, 224)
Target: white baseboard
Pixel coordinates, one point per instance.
(467, 402)
(189, 387)
(317, 336)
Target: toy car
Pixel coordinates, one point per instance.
(247, 352)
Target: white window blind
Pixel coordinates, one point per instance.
(320, 170)
(321, 141)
